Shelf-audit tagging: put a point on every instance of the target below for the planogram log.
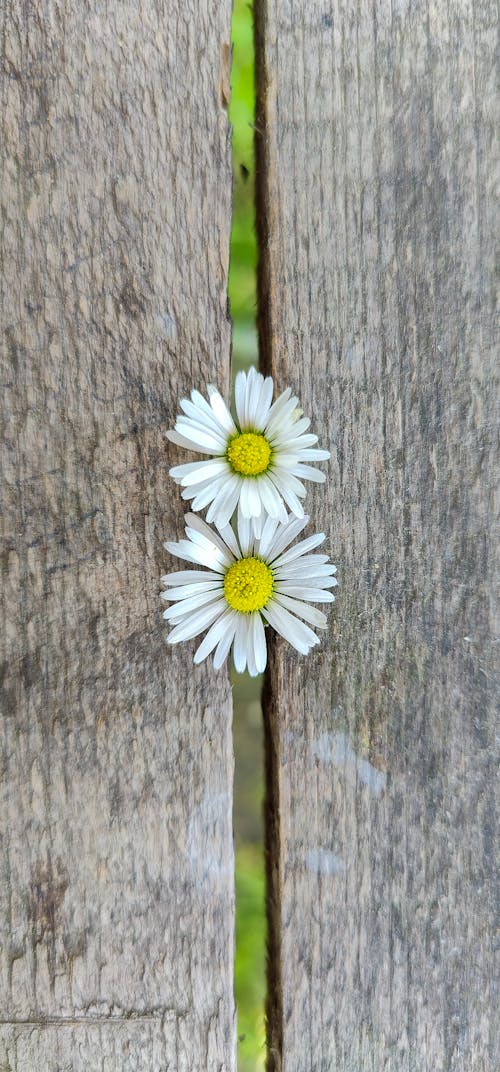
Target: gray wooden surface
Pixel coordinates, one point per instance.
(376, 173)
(116, 885)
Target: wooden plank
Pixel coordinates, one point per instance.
(117, 860)
(376, 166)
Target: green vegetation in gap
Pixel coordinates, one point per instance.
(242, 272)
(250, 966)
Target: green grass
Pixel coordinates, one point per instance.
(250, 957)
(250, 885)
(242, 282)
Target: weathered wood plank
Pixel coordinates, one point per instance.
(376, 172)
(116, 889)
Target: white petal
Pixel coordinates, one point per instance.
(196, 623)
(251, 664)
(249, 498)
(292, 429)
(248, 394)
(185, 591)
(279, 421)
(244, 505)
(204, 493)
(201, 403)
(245, 532)
(314, 455)
(204, 417)
(253, 403)
(198, 489)
(285, 478)
(200, 526)
(286, 576)
(309, 473)
(230, 540)
(257, 523)
(254, 497)
(312, 580)
(195, 472)
(259, 643)
(300, 549)
(284, 536)
(225, 642)
(206, 410)
(280, 403)
(191, 553)
(299, 635)
(178, 472)
(264, 405)
(225, 502)
(314, 595)
(183, 441)
(240, 385)
(271, 499)
(267, 536)
(184, 607)
(187, 576)
(294, 504)
(222, 413)
(200, 436)
(311, 563)
(240, 643)
(296, 445)
(222, 629)
(205, 543)
(202, 422)
(304, 567)
(312, 615)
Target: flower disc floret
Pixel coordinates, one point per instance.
(249, 453)
(248, 585)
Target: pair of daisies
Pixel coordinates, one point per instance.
(252, 574)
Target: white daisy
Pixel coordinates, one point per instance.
(247, 581)
(258, 460)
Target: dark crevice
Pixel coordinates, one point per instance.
(272, 841)
(274, 996)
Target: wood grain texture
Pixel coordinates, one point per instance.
(116, 885)
(376, 173)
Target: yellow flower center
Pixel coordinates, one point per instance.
(248, 584)
(249, 453)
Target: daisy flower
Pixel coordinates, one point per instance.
(247, 581)
(258, 461)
